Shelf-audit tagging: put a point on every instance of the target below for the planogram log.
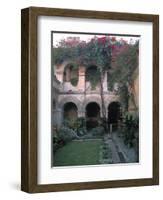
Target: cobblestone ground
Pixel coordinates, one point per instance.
(120, 152)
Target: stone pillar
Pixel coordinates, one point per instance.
(68, 74)
(58, 72)
(57, 117)
(105, 84)
(106, 114)
(81, 80)
(101, 115)
(81, 113)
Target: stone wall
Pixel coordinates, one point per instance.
(81, 95)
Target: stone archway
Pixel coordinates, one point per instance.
(69, 98)
(70, 111)
(91, 98)
(114, 112)
(92, 115)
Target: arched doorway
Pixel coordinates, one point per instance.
(92, 115)
(114, 113)
(70, 111)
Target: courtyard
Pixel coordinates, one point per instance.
(110, 149)
(95, 100)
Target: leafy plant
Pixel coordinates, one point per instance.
(122, 72)
(66, 134)
(57, 143)
(93, 76)
(98, 131)
(74, 81)
(77, 125)
(131, 128)
(96, 51)
(106, 156)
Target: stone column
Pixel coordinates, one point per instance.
(105, 84)
(68, 74)
(106, 114)
(81, 113)
(101, 115)
(81, 80)
(57, 117)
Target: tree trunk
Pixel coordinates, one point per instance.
(104, 113)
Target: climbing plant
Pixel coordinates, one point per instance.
(123, 68)
(93, 76)
(96, 51)
(73, 73)
(74, 81)
(118, 57)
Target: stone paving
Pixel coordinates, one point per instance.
(115, 157)
(120, 152)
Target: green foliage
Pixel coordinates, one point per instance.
(60, 54)
(73, 124)
(66, 134)
(74, 81)
(82, 126)
(125, 64)
(122, 72)
(93, 76)
(78, 125)
(97, 51)
(98, 131)
(74, 65)
(124, 95)
(82, 121)
(57, 143)
(131, 128)
(106, 156)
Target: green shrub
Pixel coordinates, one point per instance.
(131, 129)
(57, 143)
(66, 134)
(98, 131)
(106, 156)
(81, 132)
(82, 121)
(78, 125)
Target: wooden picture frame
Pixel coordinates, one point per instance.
(29, 112)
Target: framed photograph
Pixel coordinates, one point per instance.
(90, 99)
